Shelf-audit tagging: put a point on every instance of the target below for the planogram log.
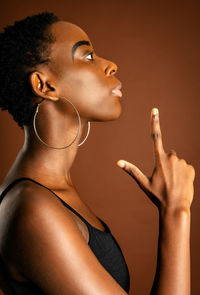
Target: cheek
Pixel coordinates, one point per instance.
(86, 87)
(91, 94)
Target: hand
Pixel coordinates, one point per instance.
(171, 184)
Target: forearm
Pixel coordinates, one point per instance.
(173, 263)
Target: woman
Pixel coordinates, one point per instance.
(54, 85)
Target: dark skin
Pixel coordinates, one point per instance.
(33, 222)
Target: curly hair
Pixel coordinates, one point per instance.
(23, 45)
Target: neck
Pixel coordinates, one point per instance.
(49, 166)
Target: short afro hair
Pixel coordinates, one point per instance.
(23, 45)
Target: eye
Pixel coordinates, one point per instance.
(90, 56)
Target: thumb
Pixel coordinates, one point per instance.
(141, 179)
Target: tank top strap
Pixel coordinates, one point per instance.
(64, 203)
(5, 191)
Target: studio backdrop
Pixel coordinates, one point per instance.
(156, 45)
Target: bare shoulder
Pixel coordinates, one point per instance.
(22, 208)
(22, 199)
(49, 248)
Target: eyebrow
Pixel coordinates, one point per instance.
(77, 44)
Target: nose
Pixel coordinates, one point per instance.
(110, 68)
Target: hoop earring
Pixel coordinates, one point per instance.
(78, 132)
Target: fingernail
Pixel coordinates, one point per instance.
(154, 111)
(121, 164)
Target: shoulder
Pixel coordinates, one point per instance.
(47, 247)
(27, 211)
(26, 195)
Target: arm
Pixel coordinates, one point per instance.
(4, 283)
(171, 189)
(173, 264)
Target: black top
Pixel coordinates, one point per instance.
(103, 244)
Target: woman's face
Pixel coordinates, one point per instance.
(81, 76)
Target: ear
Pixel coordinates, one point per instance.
(41, 87)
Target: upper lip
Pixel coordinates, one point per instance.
(118, 86)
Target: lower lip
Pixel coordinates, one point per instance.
(117, 92)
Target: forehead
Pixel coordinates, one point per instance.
(68, 33)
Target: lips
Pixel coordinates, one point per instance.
(117, 90)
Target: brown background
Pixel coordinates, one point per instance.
(156, 45)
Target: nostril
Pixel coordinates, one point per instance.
(110, 71)
(114, 69)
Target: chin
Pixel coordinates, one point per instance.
(117, 113)
(109, 116)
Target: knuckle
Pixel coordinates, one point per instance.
(183, 162)
(191, 169)
(172, 157)
(155, 135)
(172, 153)
(129, 171)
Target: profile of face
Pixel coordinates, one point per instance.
(77, 73)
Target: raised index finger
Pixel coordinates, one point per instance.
(156, 134)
